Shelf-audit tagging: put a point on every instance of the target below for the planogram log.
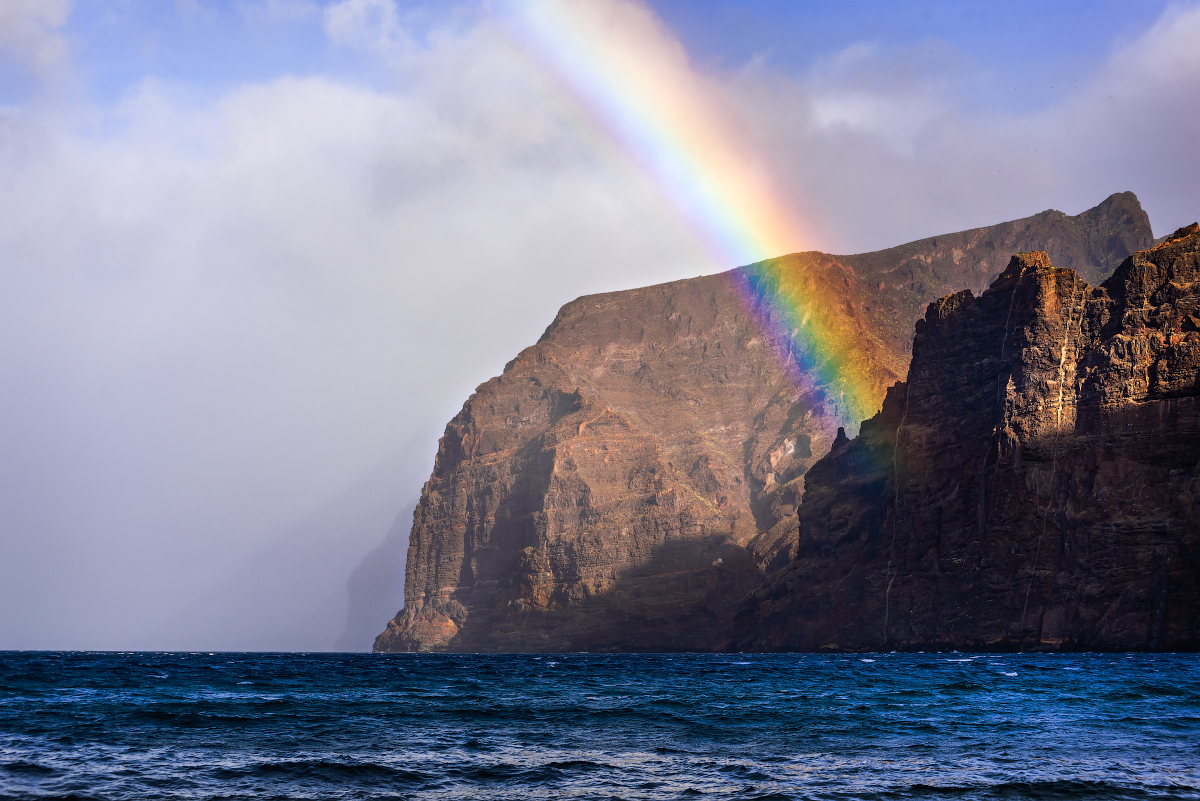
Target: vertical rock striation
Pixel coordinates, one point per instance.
(1035, 483)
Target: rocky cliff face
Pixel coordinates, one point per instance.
(630, 478)
(598, 493)
(1035, 483)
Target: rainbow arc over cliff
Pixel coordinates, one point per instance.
(633, 78)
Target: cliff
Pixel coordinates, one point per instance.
(631, 478)
(1034, 485)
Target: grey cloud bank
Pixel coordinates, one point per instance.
(233, 327)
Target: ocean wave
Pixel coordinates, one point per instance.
(656, 726)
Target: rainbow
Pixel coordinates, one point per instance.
(633, 78)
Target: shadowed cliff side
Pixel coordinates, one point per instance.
(628, 479)
(1034, 485)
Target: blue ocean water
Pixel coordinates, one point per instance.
(586, 726)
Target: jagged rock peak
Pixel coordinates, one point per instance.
(1034, 261)
(1182, 233)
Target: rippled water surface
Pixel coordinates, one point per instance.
(329, 726)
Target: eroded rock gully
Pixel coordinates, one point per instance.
(631, 479)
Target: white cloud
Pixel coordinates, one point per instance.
(275, 12)
(882, 147)
(218, 317)
(29, 33)
(370, 25)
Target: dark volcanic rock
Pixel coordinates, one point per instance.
(1035, 484)
(628, 479)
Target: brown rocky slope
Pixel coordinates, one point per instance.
(630, 478)
(1034, 485)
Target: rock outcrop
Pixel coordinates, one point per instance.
(1035, 484)
(631, 478)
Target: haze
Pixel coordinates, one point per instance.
(256, 254)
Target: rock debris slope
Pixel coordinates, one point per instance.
(632, 477)
(1035, 483)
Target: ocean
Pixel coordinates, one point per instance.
(590, 726)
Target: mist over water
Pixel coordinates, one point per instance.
(375, 593)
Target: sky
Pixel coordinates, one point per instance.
(257, 253)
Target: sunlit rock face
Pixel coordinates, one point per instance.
(629, 480)
(1035, 484)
